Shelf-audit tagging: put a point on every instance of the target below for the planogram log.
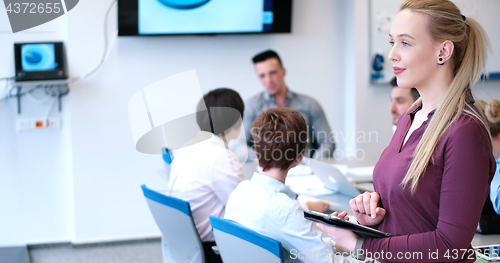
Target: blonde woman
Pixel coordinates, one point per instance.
(433, 178)
(490, 217)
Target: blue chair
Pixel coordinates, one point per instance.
(180, 239)
(167, 155)
(238, 244)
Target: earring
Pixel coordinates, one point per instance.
(441, 59)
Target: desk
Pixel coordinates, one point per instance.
(481, 240)
(351, 162)
(302, 180)
(250, 167)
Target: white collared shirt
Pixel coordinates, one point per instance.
(268, 207)
(205, 174)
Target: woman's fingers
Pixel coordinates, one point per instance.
(374, 201)
(367, 203)
(380, 211)
(343, 214)
(359, 204)
(352, 204)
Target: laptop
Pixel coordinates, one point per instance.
(333, 178)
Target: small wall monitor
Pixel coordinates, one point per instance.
(39, 61)
(188, 17)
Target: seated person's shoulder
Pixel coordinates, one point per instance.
(206, 155)
(283, 206)
(242, 188)
(256, 99)
(272, 201)
(209, 148)
(307, 100)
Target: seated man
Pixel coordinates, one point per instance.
(271, 74)
(205, 173)
(401, 100)
(264, 204)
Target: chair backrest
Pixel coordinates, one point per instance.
(239, 244)
(175, 221)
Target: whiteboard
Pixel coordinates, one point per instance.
(486, 12)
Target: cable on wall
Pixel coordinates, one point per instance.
(105, 54)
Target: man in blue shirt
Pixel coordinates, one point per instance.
(270, 71)
(495, 190)
(401, 101)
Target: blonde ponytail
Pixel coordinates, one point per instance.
(471, 43)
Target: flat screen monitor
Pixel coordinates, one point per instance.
(185, 17)
(39, 61)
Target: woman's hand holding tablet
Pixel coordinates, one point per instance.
(367, 209)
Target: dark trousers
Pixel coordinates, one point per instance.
(490, 220)
(210, 256)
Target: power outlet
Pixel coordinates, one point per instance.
(54, 123)
(23, 125)
(38, 124)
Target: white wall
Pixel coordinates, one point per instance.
(372, 101)
(35, 178)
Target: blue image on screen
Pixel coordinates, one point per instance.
(202, 16)
(38, 57)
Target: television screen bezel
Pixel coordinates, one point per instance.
(43, 74)
(128, 20)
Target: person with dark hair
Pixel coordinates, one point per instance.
(264, 204)
(434, 176)
(401, 100)
(205, 173)
(220, 110)
(271, 73)
(489, 223)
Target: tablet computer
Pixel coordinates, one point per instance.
(489, 253)
(335, 221)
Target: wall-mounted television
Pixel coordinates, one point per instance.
(198, 17)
